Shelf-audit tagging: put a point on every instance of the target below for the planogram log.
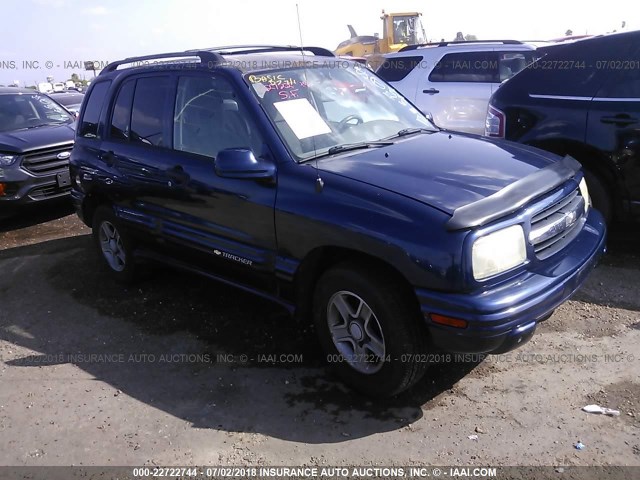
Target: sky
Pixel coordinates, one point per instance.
(53, 37)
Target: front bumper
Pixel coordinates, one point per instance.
(506, 316)
(22, 187)
(77, 199)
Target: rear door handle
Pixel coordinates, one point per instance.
(430, 91)
(620, 120)
(178, 176)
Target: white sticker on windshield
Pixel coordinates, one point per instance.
(303, 119)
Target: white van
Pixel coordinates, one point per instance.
(45, 87)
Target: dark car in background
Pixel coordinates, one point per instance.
(36, 138)
(71, 100)
(582, 99)
(315, 184)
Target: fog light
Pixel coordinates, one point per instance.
(448, 321)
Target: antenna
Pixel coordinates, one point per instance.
(319, 182)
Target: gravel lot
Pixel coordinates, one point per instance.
(179, 370)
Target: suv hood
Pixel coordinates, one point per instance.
(49, 136)
(444, 170)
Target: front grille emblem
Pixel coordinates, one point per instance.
(570, 219)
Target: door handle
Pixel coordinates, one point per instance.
(620, 120)
(178, 176)
(108, 157)
(430, 91)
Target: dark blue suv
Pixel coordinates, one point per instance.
(582, 99)
(308, 180)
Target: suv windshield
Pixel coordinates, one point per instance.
(24, 110)
(318, 108)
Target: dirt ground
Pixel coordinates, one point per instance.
(179, 370)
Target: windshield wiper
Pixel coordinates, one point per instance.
(356, 146)
(43, 125)
(410, 131)
(36, 126)
(350, 146)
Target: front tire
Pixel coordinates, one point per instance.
(370, 329)
(114, 245)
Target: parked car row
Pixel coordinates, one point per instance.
(578, 98)
(325, 190)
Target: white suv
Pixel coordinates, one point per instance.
(453, 81)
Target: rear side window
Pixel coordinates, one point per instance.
(470, 67)
(91, 115)
(578, 69)
(396, 69)
(510, 63)
(147, 114)
(121, 117)
(623, 80)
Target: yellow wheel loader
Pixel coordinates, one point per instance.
(399, 30)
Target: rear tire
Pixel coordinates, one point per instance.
(599, 194)
(370, 329)
(114, 245)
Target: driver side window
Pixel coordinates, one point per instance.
(209, 117)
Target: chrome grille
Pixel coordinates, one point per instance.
(44, 162)
(555, 226)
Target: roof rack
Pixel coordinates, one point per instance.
(248, 49)
(205, 57)
(214, 55)
(465, 42)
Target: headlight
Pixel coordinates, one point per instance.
(498, 252)
(584, 191)
(6, 159)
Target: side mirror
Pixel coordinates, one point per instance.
(241, 163)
